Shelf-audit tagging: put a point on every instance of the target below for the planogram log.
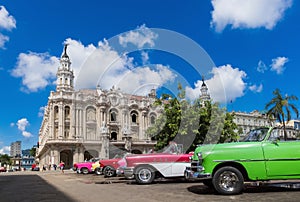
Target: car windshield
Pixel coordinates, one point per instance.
(94, 160)
(255, 135)
(121, 155)
(173, 148)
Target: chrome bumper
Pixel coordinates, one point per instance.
(120, 171)
(128, 172)
(189, 173)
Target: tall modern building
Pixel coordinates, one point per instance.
(86, 123)
(15, 149)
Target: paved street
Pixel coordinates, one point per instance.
(55, 186)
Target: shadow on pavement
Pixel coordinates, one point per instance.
(272, 187)
(29, 188)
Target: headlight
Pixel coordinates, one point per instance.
(200, 158)
(199, 155)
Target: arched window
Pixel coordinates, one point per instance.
(134, 117)
(67, 112)
(113, 136)
(152, 120)
(56, 112)
(90, 114)
(113, 115)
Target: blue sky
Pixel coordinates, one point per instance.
(249, 48)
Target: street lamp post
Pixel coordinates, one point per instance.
(128, 138)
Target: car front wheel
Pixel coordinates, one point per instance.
(144, 175)
(84, 171)
(98, 171)
(109, 171)
(228, 180)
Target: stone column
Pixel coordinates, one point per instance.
(51, 121)
(104, 153)
(60, 121)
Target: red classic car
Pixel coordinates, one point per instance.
(109, 167)
(146, 167)
(85, 167)
(2, 169)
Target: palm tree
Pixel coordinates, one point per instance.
(280, 108)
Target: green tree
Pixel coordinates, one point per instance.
(191, 123)
(5, 159)
(32, 151)
(280, 108)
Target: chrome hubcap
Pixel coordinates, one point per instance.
(228, 181)
(144, 175)
(109, 172)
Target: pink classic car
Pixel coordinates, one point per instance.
(85, 167)
(146, 167)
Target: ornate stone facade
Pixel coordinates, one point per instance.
(252, 120)
(80, 124)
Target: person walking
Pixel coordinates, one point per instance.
(62, 165)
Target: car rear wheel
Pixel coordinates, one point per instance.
(109, 171)
(228, 180)
(84, 171)
(98, 171)
(144, 175)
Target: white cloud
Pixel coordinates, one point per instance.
(256, 89)
(248, 13)
(7, 22)
(142, 79)
(278, 64)
(104, 67)
(145, 57)
(22, 124)
(26, 134)
(107, 68)
(92, 66)
(226, 85)
(41, 111)
(261, 67)
(37, 70)
(3, 40)
(139, 37)
(5, 150)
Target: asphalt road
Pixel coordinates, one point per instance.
(55, 186)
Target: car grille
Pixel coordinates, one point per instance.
(195, 165)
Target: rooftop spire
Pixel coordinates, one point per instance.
(203, 83)
(65, 55)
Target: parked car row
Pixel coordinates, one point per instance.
(168, 163)
(85, 167)
(2, 169)
(264, 154)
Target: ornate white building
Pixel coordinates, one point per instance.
(252, 120)
(76, 123)
(292, 129)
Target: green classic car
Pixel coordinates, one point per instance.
(261, 156)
